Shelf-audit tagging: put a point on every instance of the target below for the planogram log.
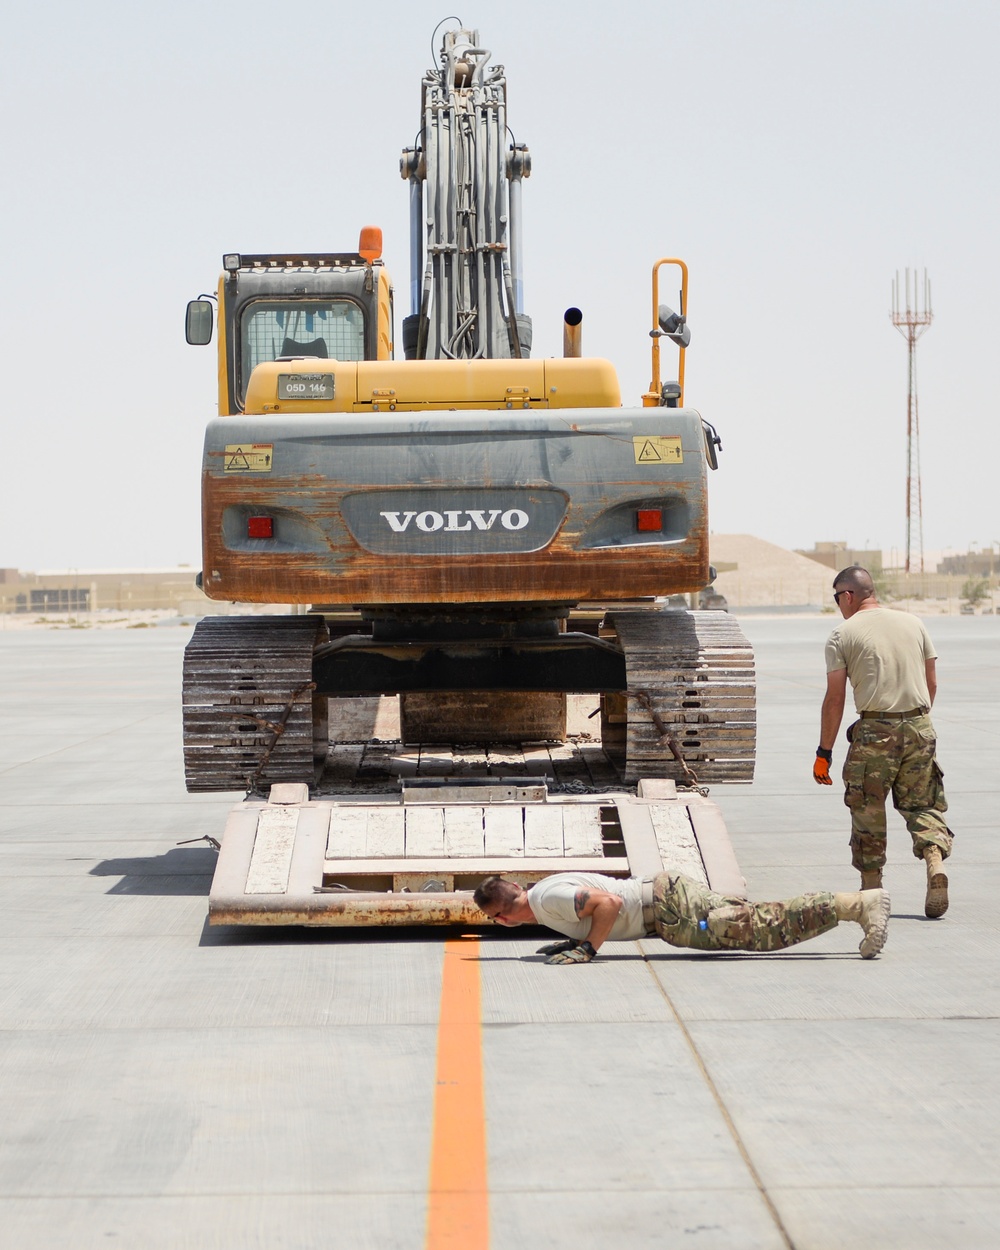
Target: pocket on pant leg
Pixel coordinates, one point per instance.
(870, 767)
(865, 785)
(732, 926)
(938, 802)
(854, 779)
(919, 785)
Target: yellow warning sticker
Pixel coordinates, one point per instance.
(658, 449)
(249, 457)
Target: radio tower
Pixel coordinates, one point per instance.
(911, 317)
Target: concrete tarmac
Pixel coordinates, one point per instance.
(164, 1084)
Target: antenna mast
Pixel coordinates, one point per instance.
(911, 315)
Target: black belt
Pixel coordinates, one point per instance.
(917, 711)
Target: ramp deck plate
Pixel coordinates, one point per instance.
(387, 854)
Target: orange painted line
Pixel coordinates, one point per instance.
(458, 1211)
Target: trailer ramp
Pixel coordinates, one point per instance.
(415, 858)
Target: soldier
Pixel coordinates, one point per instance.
(891, 664)
(589, 908)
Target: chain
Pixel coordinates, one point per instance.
(667, 739)
(277, 728)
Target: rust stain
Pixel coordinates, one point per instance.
(345, 909)
(340, 571)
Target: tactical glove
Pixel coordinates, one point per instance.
(554, 948)
(582, 953)
(821, 769)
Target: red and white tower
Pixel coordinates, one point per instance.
(911, 315)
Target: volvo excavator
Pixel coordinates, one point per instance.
(471, 530)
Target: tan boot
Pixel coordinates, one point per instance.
(870, 909)
(936, 903)
(872, 880)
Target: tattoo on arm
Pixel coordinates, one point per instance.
(580, 901)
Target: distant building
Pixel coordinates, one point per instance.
(839, 556)
(85, 590)
(971, 564)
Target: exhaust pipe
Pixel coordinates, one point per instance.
(572, 334)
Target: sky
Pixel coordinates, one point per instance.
(796, 153)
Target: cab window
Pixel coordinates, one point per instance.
(326, 329)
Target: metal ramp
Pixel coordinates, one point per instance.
(416, 858)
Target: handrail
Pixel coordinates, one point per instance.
(653, 397)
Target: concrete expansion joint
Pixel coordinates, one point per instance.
(720, 1103)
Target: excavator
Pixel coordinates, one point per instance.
(477, 533)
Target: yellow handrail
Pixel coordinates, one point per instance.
(653, 396)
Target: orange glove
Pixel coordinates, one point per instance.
(821, 769)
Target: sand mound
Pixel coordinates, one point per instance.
(767, 575)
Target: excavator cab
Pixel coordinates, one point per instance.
(295, 307)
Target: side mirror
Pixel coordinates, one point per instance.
(713, 444)
(198, 323)
(674, 326)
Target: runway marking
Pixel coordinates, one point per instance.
(458, 1213)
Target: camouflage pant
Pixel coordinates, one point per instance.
(679, 903)
(897, 757)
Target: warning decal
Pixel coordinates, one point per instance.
(658, 449)
(249, 457)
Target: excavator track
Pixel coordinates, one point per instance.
(691, 693)
(250, 715)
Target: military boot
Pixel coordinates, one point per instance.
(871, 880)
(936, 903)
(870, 909)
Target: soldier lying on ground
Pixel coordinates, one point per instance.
(589, 908)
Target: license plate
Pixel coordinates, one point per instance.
(305, 385)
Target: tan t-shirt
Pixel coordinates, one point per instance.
(885, 654)
(551, 900)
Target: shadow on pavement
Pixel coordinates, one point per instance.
(309, 935)
(689, 956)
(903, 915)
(180, 872)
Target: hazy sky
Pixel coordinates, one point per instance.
(795, 152)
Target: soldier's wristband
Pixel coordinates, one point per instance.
(824, 755)
(589, 949)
